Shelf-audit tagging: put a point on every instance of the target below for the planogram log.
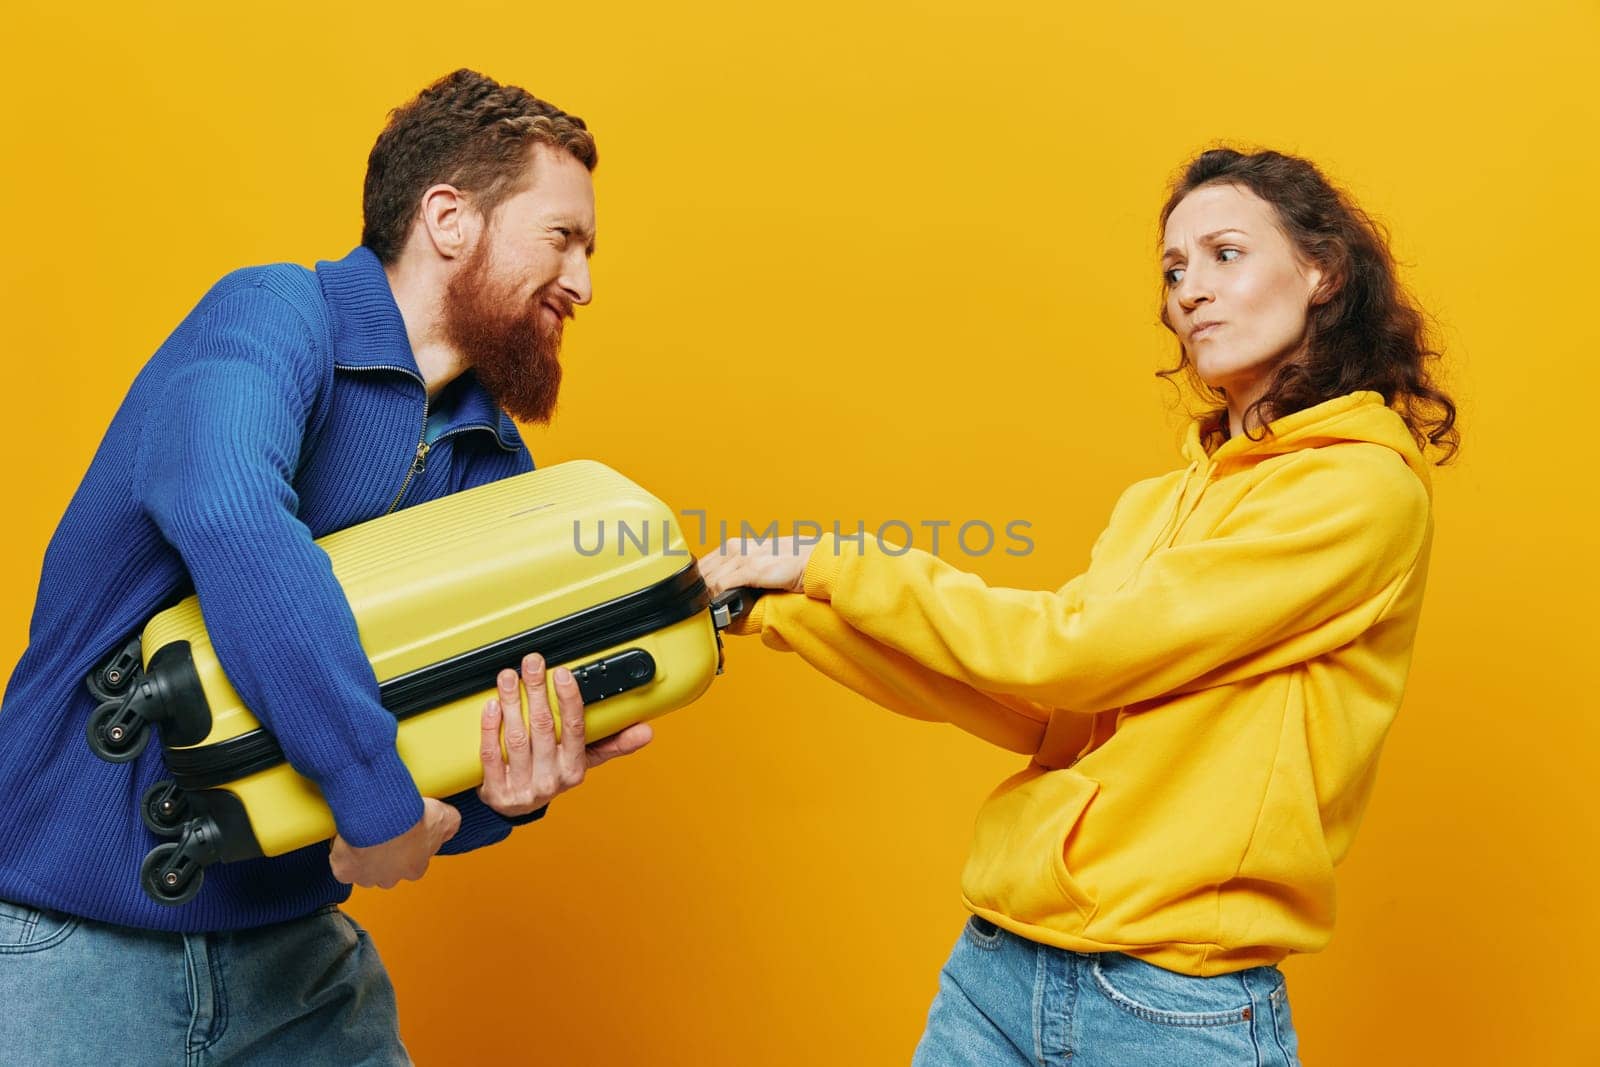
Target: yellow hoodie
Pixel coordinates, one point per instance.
(1204, 705)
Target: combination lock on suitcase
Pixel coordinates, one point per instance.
(572, 561)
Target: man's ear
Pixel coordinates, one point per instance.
(448, 221)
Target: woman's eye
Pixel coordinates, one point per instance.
(1224, 251)
(1169, 275)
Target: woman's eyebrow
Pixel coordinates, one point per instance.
(1214, 234)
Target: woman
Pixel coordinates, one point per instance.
(1204, 705)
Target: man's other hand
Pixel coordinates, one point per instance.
(405, 857)
(534, 768)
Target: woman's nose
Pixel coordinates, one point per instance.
(1192, 291)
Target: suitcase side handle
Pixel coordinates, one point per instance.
(733, 604)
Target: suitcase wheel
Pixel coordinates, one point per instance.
(116, 675)
(164, 808)
(168, 876)
(115, 736)
(96, 683)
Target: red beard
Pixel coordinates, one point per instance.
(512, 348)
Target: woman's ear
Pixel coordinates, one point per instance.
(1324, 285)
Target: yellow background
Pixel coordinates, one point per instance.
(874, 263)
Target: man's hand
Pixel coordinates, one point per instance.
(383, 865)
(534, 767)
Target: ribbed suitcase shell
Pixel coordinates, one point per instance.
(454, 575)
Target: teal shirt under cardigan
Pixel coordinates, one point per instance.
(285, 406)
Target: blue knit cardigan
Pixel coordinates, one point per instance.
(287, 405)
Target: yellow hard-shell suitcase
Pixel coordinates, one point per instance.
(572, 561)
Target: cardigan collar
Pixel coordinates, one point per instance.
(370, 334)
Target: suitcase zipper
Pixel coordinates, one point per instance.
(584, 633)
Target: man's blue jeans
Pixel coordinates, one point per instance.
(311, 991)
(1006, 1000)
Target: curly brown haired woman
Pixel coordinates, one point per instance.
(1205, 704)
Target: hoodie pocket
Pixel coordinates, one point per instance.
(1018, 862)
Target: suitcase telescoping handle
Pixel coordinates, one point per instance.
(733, 604)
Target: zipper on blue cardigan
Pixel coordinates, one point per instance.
(419, 462)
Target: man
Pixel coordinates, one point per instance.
(289, 404)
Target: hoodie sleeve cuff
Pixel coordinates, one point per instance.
(818, 580)
(373, 802)
(750, 622)
(822, 569)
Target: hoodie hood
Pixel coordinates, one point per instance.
(1358, 416)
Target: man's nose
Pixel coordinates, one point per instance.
(575, 280)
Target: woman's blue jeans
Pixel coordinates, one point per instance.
(307, 992)
(1006, 1000)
